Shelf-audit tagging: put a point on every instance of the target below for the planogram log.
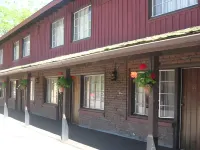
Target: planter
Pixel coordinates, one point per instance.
(61, 89)
(147, 90)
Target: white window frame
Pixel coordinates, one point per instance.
(82, 23)
(16, 51)
(1, 56)
(146, 111)
(175, 3)
(13, 89)
(87, 102)
(173, 94)
(57, 30)
(26, 46)
(49, 98)
(32, 89)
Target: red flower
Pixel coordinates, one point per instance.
(143, 66)
(73, 77)
(60, 73)
(153, 76)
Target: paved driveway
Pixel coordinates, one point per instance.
(45, 133)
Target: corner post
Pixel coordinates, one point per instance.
(65, 127)
(27, 100)
(6, 93)
(152, 138)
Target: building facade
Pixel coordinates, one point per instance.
(99, 43)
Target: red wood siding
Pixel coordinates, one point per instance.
(113, 21)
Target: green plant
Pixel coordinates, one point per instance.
(23, 84)
(64, 82)
(4, 84)
(145, 78)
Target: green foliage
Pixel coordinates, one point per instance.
(10, 17)
(144, 79)
(4, 84)
(23, 83)
(64, 82)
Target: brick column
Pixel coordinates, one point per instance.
(152, 138)
(6, 97)
(27, 100)
(66, 97)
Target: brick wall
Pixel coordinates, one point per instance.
(115, 119)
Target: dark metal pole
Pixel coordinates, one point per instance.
(152, 138)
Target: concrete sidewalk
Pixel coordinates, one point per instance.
(43, 132)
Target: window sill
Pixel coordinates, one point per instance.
(56, 47)
(26, 57)
(85, 39)
(93, 112)
(144, 119)
(49, 105)
(172, 12)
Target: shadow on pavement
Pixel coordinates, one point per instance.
(95, 139)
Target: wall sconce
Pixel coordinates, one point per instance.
(114, 75)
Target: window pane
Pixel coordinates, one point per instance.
(166, 93)
(82, 23)
(1, 56)
(32, 89)
(94, 92)
(58, 33)
(52, 91)
(165, 6)
(13, 89)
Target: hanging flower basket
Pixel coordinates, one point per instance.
(64, 83)
(145, 78)
(22, 84)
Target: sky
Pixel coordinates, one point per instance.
(37, 4)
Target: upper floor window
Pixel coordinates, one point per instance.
(52, 91)
(16, 51)
(26, 46)
(58, 33)
(32, 89)
(94, 92)
(1, 56)
(139, 103)
(82, 23)
(160, 7)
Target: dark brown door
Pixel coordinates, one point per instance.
(190, 124)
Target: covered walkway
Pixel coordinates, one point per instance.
(80, 138)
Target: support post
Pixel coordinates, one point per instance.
(152, 138)
(27, 100)
(6, 93)
(65, 127)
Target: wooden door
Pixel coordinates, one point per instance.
(190, 120)
(76, 100)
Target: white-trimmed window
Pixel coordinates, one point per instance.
(1, 56)
(58, 33)
(82, 23)
(26, 46)
(16, 51)
(13, 89)
(32, 89)
(160, 7)
(1, 90)
(166, 93)
(94, 92)
(166, 96)
(52, 91)
(141, 106)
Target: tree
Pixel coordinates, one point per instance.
(16, 12)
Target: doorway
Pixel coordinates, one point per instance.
(76, 99)
(190, 116)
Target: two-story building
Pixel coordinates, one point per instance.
(94, 40)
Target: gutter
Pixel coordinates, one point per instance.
(101, 54)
